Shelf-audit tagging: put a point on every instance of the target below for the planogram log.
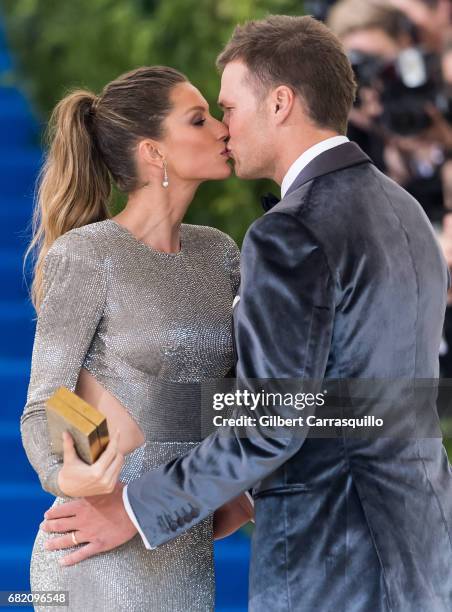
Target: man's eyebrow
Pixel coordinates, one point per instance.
(223, 103)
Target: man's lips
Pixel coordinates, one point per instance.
(227, 152)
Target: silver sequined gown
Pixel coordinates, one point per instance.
(149, 327)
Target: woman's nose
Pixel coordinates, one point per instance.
(223, 132)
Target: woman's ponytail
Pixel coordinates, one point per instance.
(74, 184)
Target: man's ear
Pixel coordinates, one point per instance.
(282, 100)
(149, 152)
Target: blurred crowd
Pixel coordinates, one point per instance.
(401, 51)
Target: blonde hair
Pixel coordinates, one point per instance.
(347, 16)
(74, 183)
(90, 143)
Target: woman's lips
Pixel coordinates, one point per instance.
(226, 152)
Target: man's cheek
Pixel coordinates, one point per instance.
(237, 135)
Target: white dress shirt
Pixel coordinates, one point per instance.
(308, 156)
(288, 179)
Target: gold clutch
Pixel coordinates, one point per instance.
(66, 411)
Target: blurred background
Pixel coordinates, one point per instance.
(401, 51)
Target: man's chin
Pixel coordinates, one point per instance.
(244, 173)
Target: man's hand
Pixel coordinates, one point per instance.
(100, 522)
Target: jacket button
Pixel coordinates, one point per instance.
(163, 525)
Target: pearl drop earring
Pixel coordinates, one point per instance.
(165, 182)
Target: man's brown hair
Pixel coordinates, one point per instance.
(302, 53)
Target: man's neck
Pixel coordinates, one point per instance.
(291, 151)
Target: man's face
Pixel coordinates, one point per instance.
(246, 116)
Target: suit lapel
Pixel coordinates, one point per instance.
(337, 158)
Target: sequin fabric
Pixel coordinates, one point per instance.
(150, 327)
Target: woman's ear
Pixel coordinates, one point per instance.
(149, 153)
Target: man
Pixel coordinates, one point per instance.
(342, 279)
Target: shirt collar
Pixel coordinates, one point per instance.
(307, 157)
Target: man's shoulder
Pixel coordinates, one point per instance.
(340, 196)
(281, 228)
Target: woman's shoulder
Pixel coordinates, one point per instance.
(209, 235)
(74, 259)
(84, 242)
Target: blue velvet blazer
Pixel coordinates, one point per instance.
(343, 279)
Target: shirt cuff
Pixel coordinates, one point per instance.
(251, 500)
(133, 518)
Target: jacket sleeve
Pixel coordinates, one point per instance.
(73, 302)
(283, 328)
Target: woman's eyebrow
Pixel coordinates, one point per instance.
(202, 108)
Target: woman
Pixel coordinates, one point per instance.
(134, 312)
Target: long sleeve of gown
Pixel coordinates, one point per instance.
(73, 302)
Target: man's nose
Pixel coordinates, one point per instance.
(223, 132)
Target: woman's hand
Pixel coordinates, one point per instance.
(232, 516)
(79, 479)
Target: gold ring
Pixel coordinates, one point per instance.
(74, 539)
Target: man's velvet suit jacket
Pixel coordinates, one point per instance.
(342, 279)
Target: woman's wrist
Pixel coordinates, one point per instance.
(61, 484)
(53, 482)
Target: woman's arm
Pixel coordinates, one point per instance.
(232, 516)
(72, 306)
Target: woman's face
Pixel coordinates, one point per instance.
(194, 143)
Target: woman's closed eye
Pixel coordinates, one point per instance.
(199, 122)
